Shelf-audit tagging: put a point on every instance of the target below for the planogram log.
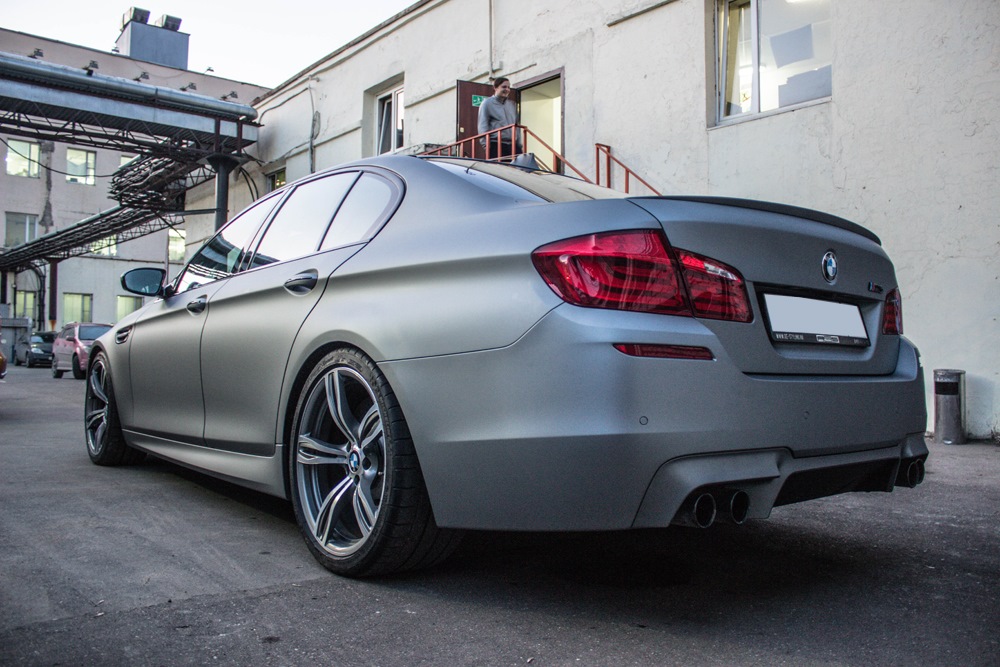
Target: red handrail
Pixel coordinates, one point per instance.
(608, 159)
(467, 148)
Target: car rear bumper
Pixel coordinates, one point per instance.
(560, 431)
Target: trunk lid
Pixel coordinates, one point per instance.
(781, 252)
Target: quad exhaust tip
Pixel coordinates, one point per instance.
(703, 508)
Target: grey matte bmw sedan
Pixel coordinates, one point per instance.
(405, 347)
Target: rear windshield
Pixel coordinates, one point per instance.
(43, 337)
(525, 184)
(93, 331)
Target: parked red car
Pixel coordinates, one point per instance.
(71, 348)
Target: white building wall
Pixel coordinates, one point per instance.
(907, 145)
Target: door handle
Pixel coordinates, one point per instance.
(198, 305)
(303, 283)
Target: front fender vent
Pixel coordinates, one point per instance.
(121, 336)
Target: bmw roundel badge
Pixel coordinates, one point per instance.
(830, 266)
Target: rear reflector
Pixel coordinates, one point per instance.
(665, 351)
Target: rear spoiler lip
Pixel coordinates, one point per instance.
(783, 209)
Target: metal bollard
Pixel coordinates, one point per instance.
(949, 406)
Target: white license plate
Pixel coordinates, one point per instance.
(795, 319)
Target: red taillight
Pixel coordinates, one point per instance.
(636, 270)
(892, 314)
(717, 291)
(621, 270)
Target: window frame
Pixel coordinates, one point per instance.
(722, 55)
(33, 158)
(30, 227)
(395, 100)
(90, 168)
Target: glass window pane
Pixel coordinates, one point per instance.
(303, 219)
(221, 256)
(738, 58)
(795, 52)
(22, 158)
(126, 305)
(81, 166)
(24, 304)
(77, 307)
(361, 213)
(176, 245)
(20, 228)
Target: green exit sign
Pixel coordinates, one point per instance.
(477, 100)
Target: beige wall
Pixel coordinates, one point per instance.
(908, 144)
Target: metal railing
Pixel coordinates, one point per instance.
(604, 151)
(491, 146)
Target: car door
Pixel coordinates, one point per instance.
(165, 342)
(256, 316)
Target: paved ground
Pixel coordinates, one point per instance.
(154, 565)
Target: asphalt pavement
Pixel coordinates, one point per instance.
(157, 565)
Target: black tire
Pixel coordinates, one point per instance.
(56, 373)
(356, 485)
(30, 362)
(105, 441)
(78, 372)
(17, 361)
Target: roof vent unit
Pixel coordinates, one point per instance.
(136, 14)
(162, 43)
(169, 22)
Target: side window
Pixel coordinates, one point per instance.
(302, 220)
(221, 257)
(367, 206)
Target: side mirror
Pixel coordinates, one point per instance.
(144, 282)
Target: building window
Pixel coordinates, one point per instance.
(81, 166)
(773, 54)
(108, 246)
(22, 158)
(127, 304)
(78, 307)
(390, 121)
(24, 304)
(125, 159)
(176, 244)
(20, 228)
(275, 180)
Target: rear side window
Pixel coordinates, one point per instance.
(303, 219)
(222, 256)
(366, 208)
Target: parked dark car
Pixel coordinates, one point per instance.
(71, 347)
(34, 349)
(408, 346)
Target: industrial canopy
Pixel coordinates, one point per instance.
(176, 135)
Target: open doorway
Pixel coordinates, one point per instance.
(542, 114)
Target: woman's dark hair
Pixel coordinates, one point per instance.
(499, 81)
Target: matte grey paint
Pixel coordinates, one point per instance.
(522, 413)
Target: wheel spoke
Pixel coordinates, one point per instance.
(371, 430)
(332, 509)
(313, 451)
(97, 385)
(364, 507)
(94, 418)
(339, 406)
